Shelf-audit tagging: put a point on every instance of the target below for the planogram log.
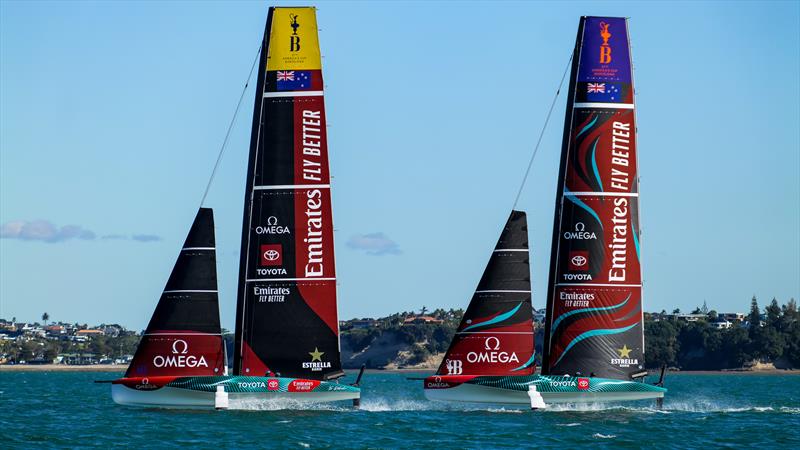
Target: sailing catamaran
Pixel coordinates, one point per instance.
(594, 340)
(287, 334)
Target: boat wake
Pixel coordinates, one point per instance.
(382, 405)
(699, 407)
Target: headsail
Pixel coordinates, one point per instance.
(286, 312)
(495, 336)
(594, 314)
(184, 337)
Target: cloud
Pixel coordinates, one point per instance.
(114, 236)
(145, 237)
(376, 244)
(42, 230)
(46, 231)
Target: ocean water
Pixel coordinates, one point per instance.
(68, 410)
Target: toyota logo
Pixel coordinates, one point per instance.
(579, 260)
(271, 255)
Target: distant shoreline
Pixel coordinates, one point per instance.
(123, 367)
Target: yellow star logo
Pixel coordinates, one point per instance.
(624, 352)
(316, 355)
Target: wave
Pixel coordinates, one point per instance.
(604, 436)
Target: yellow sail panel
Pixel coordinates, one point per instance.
(293, 40)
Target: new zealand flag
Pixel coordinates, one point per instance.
(293, 80)
(603, 92)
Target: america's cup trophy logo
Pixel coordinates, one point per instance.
(605, 49)
(294, 39)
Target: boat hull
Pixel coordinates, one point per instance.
(554, 389)
(199, 392)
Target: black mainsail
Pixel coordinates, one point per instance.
(286, 320)
(495, 336)
(594, 313)
(184, 336)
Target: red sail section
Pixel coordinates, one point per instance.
(594, 313)
(178, 353)
(495, 336)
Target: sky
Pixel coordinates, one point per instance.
(112, 115)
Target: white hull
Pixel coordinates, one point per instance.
(171, 397)
(473, 393)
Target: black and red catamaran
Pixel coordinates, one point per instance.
(287, 334)
(594, 341)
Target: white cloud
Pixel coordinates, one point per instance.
(46, 231)
(42, 230)
(376, 244)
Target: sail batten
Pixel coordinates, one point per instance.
(287, 321)
(594, 316)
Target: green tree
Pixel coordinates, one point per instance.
(713, 315)
(661, 343)
(45, 318)
(773, 313)
(754, 318)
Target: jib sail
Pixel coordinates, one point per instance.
(594, 311)
(286, 312)
(495, 336)
(183, 337)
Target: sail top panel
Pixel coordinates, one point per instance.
(605, 55)
(293, 39)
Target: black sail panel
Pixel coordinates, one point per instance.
(184, 336)
(594, 310)
(287, 320)
(495, 336)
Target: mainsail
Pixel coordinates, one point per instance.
(495, 336)
(286, 320)
(184, 337)
(594, 313)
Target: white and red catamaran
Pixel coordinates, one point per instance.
(287, 334)
(594, 340)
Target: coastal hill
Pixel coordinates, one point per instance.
(701, 340)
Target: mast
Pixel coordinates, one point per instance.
(495, 336)
(184, 337)
(594, 315)
(287, 321)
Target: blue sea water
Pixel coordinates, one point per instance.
(68, 410)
